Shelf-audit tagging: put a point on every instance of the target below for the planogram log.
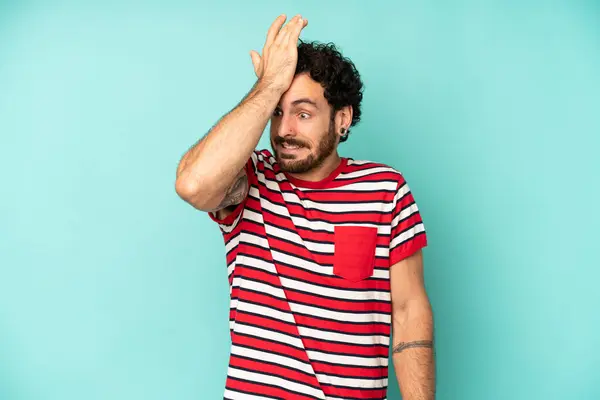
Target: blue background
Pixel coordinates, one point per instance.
(111, 287)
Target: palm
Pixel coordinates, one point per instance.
(274, 31)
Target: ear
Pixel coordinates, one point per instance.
(343, 119)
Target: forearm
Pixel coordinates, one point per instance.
(210, 167)
(413, 352)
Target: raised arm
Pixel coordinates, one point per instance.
(211, 175)
(210, 168)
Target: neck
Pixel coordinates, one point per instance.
(323, 171)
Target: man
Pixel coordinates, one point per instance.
(323, 252)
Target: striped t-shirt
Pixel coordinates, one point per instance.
(308, 267)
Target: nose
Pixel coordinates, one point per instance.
(286, 127)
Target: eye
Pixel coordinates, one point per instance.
(277, 113)
(304, 115)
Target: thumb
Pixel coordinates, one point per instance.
(255, 61)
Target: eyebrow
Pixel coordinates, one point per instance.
(305, 100)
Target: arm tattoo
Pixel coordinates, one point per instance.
(236, 193)
(406, 345)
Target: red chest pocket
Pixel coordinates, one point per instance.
(354, 252)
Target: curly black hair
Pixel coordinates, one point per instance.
(336, 73)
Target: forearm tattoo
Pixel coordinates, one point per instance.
(406, 345)
(236, 192)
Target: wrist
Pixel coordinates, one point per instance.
(269, 86)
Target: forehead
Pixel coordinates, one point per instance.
(304, 87)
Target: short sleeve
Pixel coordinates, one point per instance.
(407, 227)
(229, 223)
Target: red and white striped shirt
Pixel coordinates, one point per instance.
(308, 267)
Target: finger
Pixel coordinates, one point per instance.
(274, 29)
(255, 61)
(297, 29)
(283, 35)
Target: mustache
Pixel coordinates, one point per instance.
(290, 141)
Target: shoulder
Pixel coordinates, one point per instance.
(373, 170)
(263, 156)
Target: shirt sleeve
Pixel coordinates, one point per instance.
(230, 222)
(407, 228)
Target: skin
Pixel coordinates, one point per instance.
(303, 118)
(412, 330)
(211, 177)
(209, 170)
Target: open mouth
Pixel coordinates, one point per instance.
(290, 147)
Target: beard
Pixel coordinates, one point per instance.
(292, 164)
